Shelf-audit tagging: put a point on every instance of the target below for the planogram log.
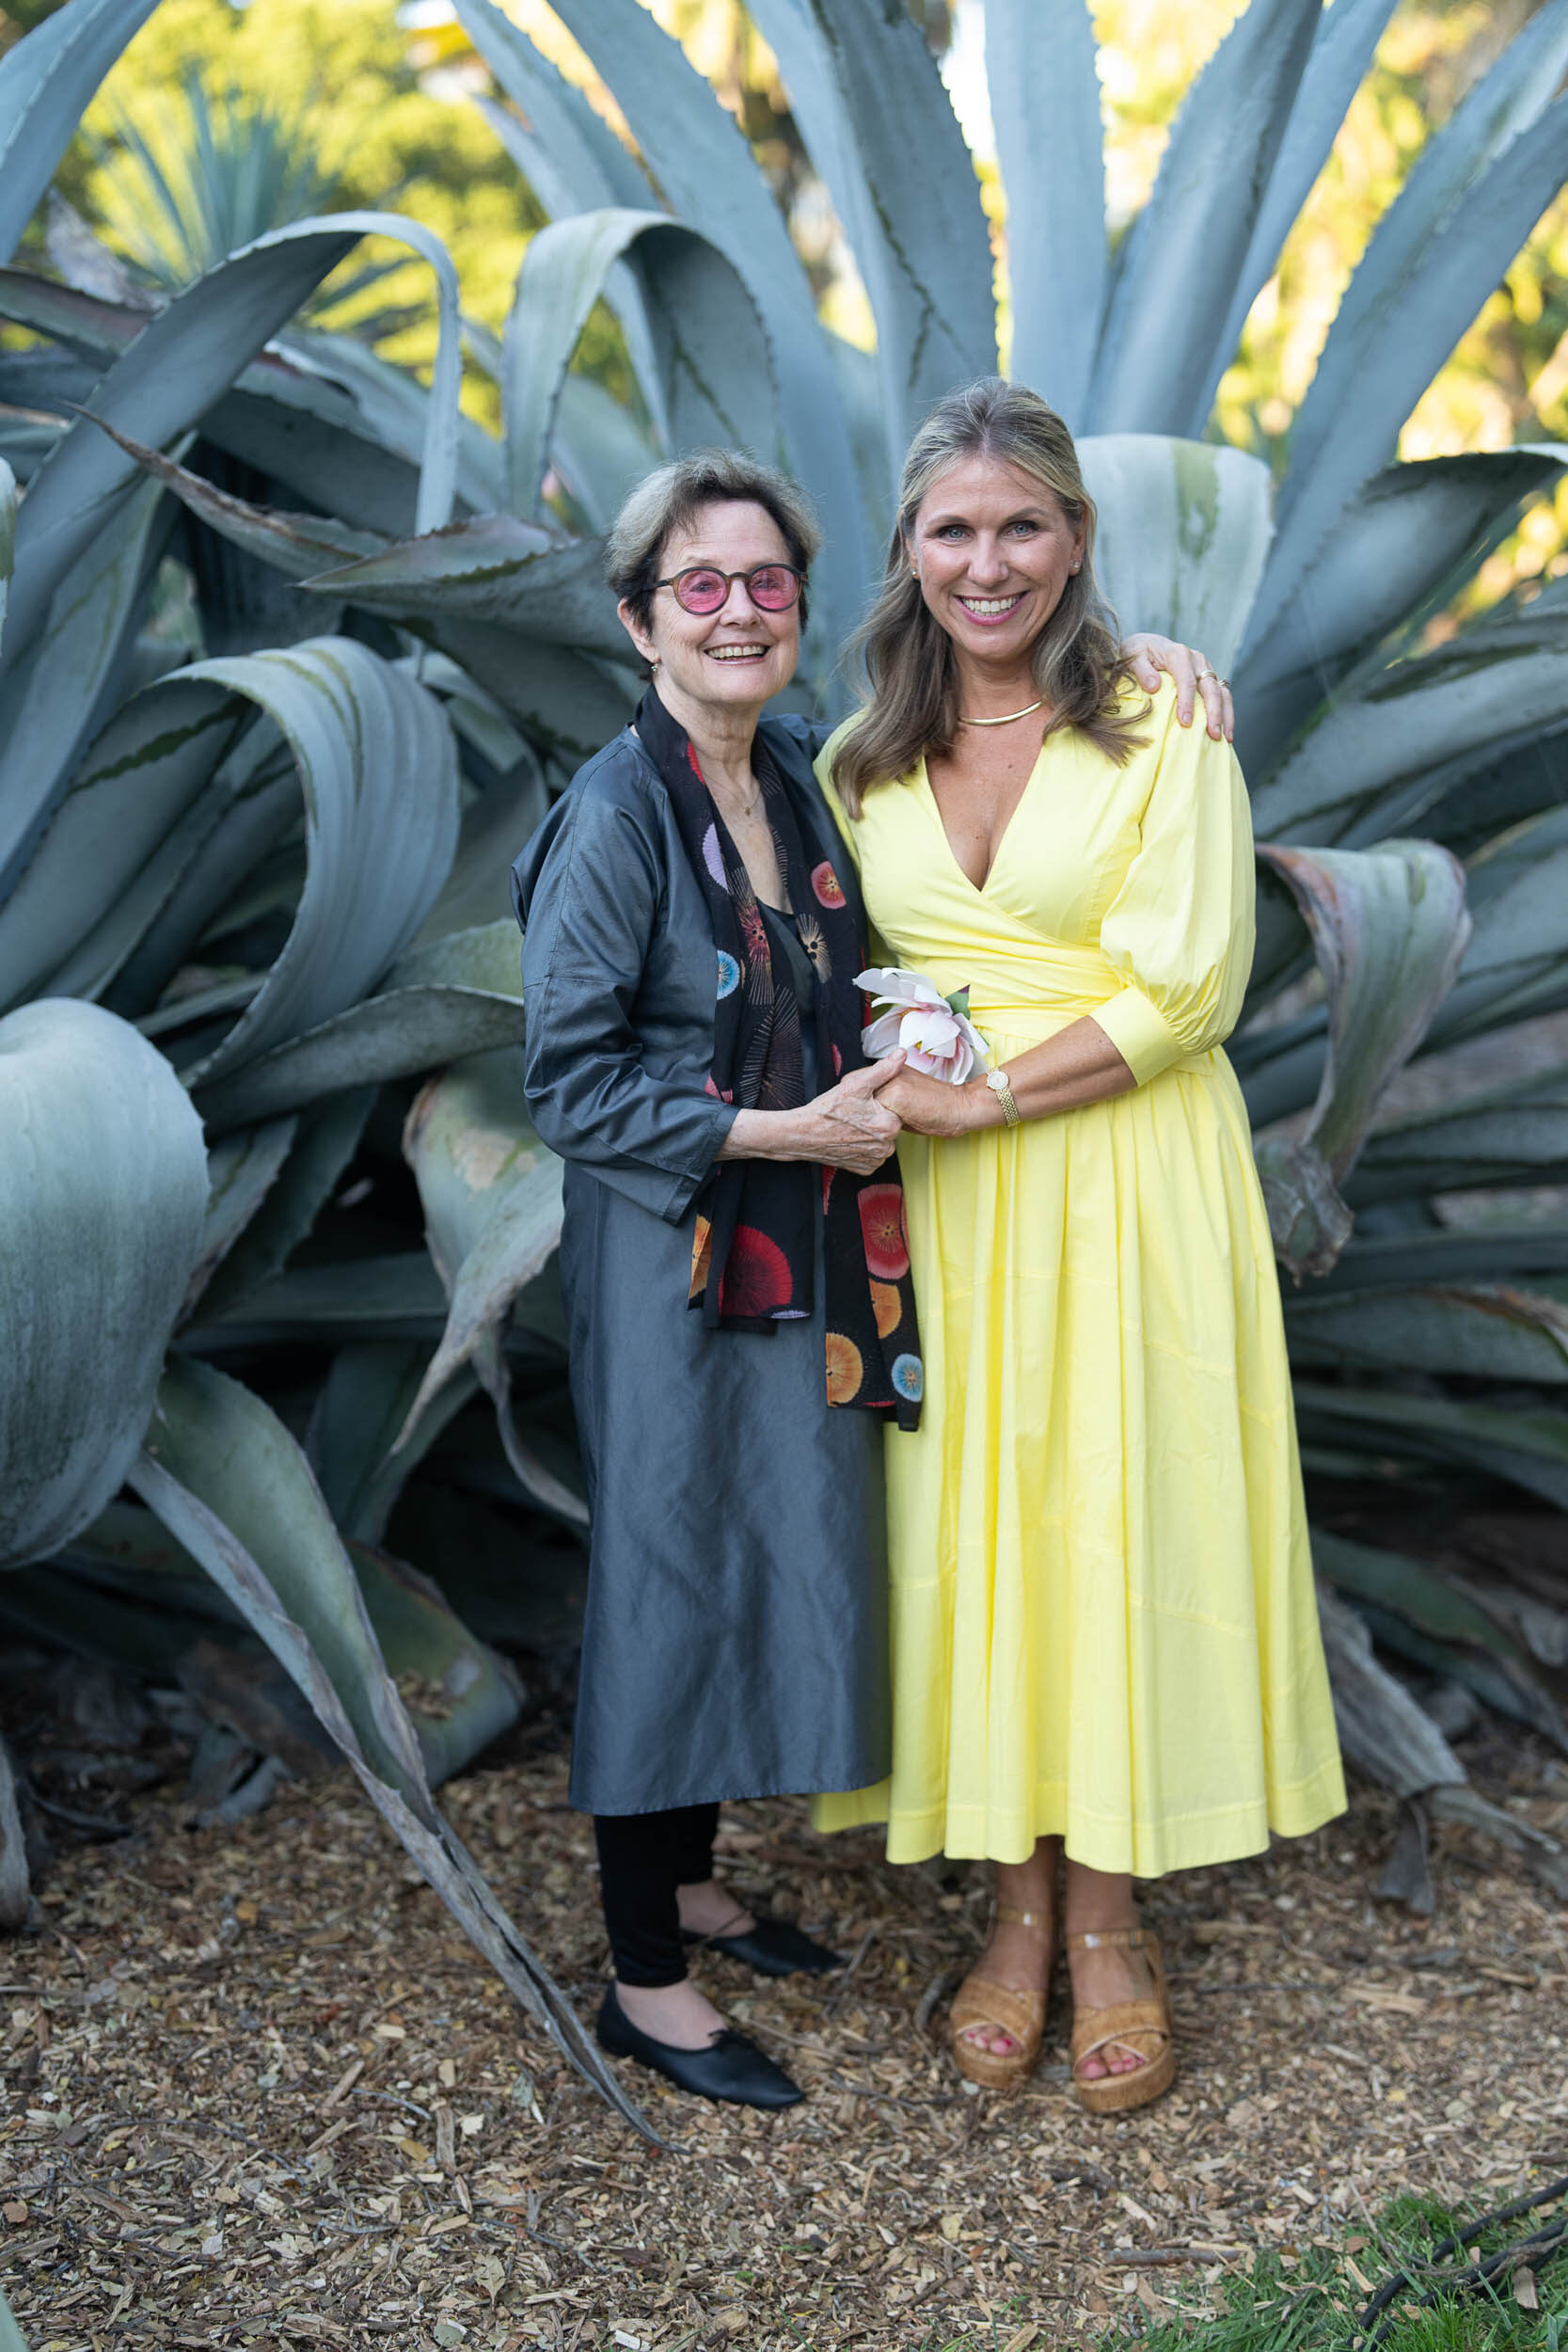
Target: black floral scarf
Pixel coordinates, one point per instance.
(754, 1249)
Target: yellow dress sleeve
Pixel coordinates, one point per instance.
(1179, 930)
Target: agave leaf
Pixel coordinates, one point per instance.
(60, 690)
(398, 1034)
(701, 164)
(1380, 758)
(1492, 1331)
(158, 388)
(364, 1403)
(459, 1694)
(568, 703)
(1516, 1135)
(1159, 357)
(491, 1193)
(45, 83)
(8, 536)
(1409, 1588)
(714, 361)
(1402, 540)
(1039, 68)
(319, 1148)
(241, 1170)
(496, 569)
(878, 125)
(338, 1304)
(11, 2338)
(1389, 928)
(1434, 260)
(1528, 1449)
(1183, 533)
(379, 773)
(598, 452)
(1448, 1255)
(93, 1273)
(122, 823)
(1342, 49)
(95, 330)
(573, 162)
(455, 457)
(298, 544)
(1381, 1730)
(226, 1479)
(496, 824)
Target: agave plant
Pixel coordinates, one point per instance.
(258, 985)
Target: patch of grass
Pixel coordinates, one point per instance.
(1316, 2307)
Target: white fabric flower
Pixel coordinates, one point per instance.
(933, 1032)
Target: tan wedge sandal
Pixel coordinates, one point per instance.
(1144, 2026)
(982, 2000)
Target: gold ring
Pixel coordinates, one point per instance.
(1214, 673)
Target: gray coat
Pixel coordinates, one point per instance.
(735, 1642)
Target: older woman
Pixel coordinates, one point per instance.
(1104, 1622)
(693, 936)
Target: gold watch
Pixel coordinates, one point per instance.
(997, 1081)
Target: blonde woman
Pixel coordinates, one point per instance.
(1103, 1623)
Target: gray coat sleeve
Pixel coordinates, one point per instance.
(591, 893)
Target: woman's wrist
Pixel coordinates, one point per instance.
(981, 1106)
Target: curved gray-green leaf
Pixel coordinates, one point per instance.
(1400, 541)
(494, 568)
(707, 176)
(378, 768)
(880, 127)
(491, 1193)
(1376, 759)
(1178, 270)
(45, 83)
(1389, 928)
(715, 358)
(1039, 66)
(7, 537)
(226, 1479)
(103, 1192)
(132, 818)
(1183, 533)
(64, 685)
(1436, 256)
(1515, 1135)
(398, 1034)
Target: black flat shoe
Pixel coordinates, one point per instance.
(730, 2068)
(774, 1948)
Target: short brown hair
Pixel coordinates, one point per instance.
(674, 494)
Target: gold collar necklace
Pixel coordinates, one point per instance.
(1007, 718)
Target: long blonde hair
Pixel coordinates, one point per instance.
(906, 657)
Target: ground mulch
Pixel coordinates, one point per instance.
(256, 2090)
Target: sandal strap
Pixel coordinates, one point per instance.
(983, 2001)
(1129, 2023)
(1115, 1939)
(1013, 1917)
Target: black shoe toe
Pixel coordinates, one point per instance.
(774, 1948)
(731, 2067)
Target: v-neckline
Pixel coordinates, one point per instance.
(979, 888)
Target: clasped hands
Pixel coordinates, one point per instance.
(860, 1121)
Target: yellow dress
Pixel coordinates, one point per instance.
(1103, 1619)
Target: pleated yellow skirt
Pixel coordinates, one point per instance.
(1104, 1616)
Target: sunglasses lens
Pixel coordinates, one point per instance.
(702, 592)
(773, 587)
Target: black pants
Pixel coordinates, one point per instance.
(643, 1857)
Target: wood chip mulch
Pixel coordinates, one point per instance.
(256, 2090)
